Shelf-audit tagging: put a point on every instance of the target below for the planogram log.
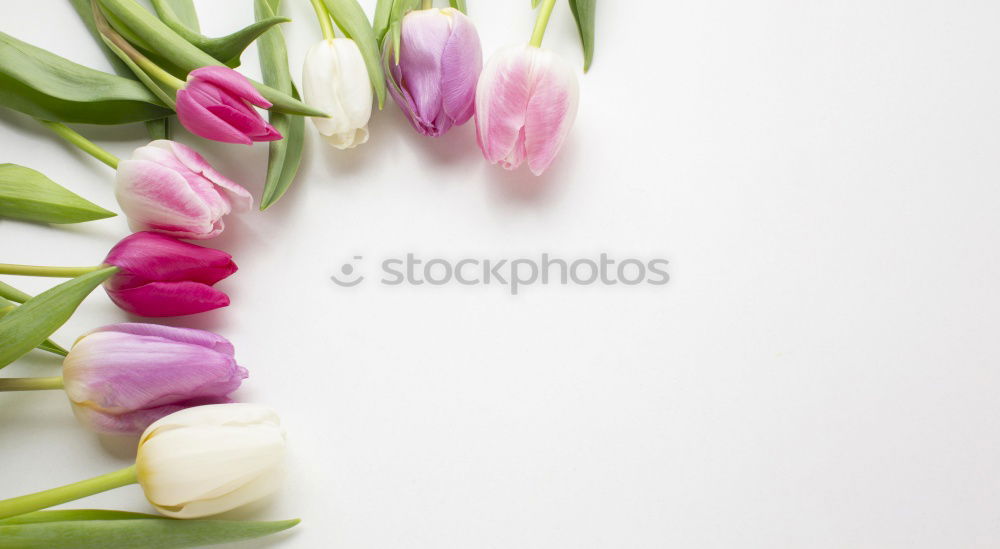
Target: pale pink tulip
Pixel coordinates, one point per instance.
(169, 188)
(526, 102)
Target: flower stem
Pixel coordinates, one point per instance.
(30, 383)
(426, 4)
(126, 49)
(541, 23)
(55, 272)
(81, 142)
(325, 23)
(42, 500)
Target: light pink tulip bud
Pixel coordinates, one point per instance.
(526, 102)
(169, 188)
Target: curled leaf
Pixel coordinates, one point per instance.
(584, 11)
(178, 14)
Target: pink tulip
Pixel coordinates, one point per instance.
(123, 377)
(526, 102)
(169, 188)
(161, 276)
(217, 103)
(439, 64)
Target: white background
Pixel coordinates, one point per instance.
(821, 370)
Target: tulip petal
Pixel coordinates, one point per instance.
(161, 299)
(157, 198)
(461, 64)
(191, 336)
(240, 198)
(230, 81)
(551, 110)
(501, 103)
(424, 36)
(203, 123)
(133, 423)
(335, 80)
(147, 256)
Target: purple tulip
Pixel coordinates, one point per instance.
(440, 59)
(162, 276)
(123, 377)
(217, 103)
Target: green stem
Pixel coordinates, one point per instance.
(426, 4)
(541, 23)
(30, 383)
(81, 142)
(325, 22)
(42, 500)
(55, 272)
(143, 62)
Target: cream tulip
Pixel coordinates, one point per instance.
(335, 80)
(206, 460)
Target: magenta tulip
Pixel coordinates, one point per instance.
(168, 187)
(217, 103)
(440, 59)
(123, 377)
(161, 276)
(526, 102)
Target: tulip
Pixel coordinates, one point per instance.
(217, 103)
(526, 102)
(159, 275)
(123, 377)
(169, 188)
(335, 80)
(193, 463)
(210, 459)
(440, 59)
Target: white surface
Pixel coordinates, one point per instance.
(820, 372)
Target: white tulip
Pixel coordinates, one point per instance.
(209, 459)
(335, 80)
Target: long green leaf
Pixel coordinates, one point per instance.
(351, 18)
(30, 324)
(183, 54)
(47, 345)
(44, 85)
(584, 11)
(30, 196)
(134, 533)
(227, 49)
(285, 155)
(9, 292)
(63, 515)
(383, 8)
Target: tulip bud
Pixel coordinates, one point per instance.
(217, 104)
(161, 276)
(209, 459)
(335, 80)
(169, 188)
(439, 64)
(123, 377)
(526, 102)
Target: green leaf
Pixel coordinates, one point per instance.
(460, 5)
(284, 155)
(158, 129)
(399, 10)
(383, 8)
(44, 85)
(30, 196)
(226, 50)
(133, 532)
(186, 56)
(535, 3)
(351, 19)
(30, 324)
(47, 345)
(584, 11)
(62, 515)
